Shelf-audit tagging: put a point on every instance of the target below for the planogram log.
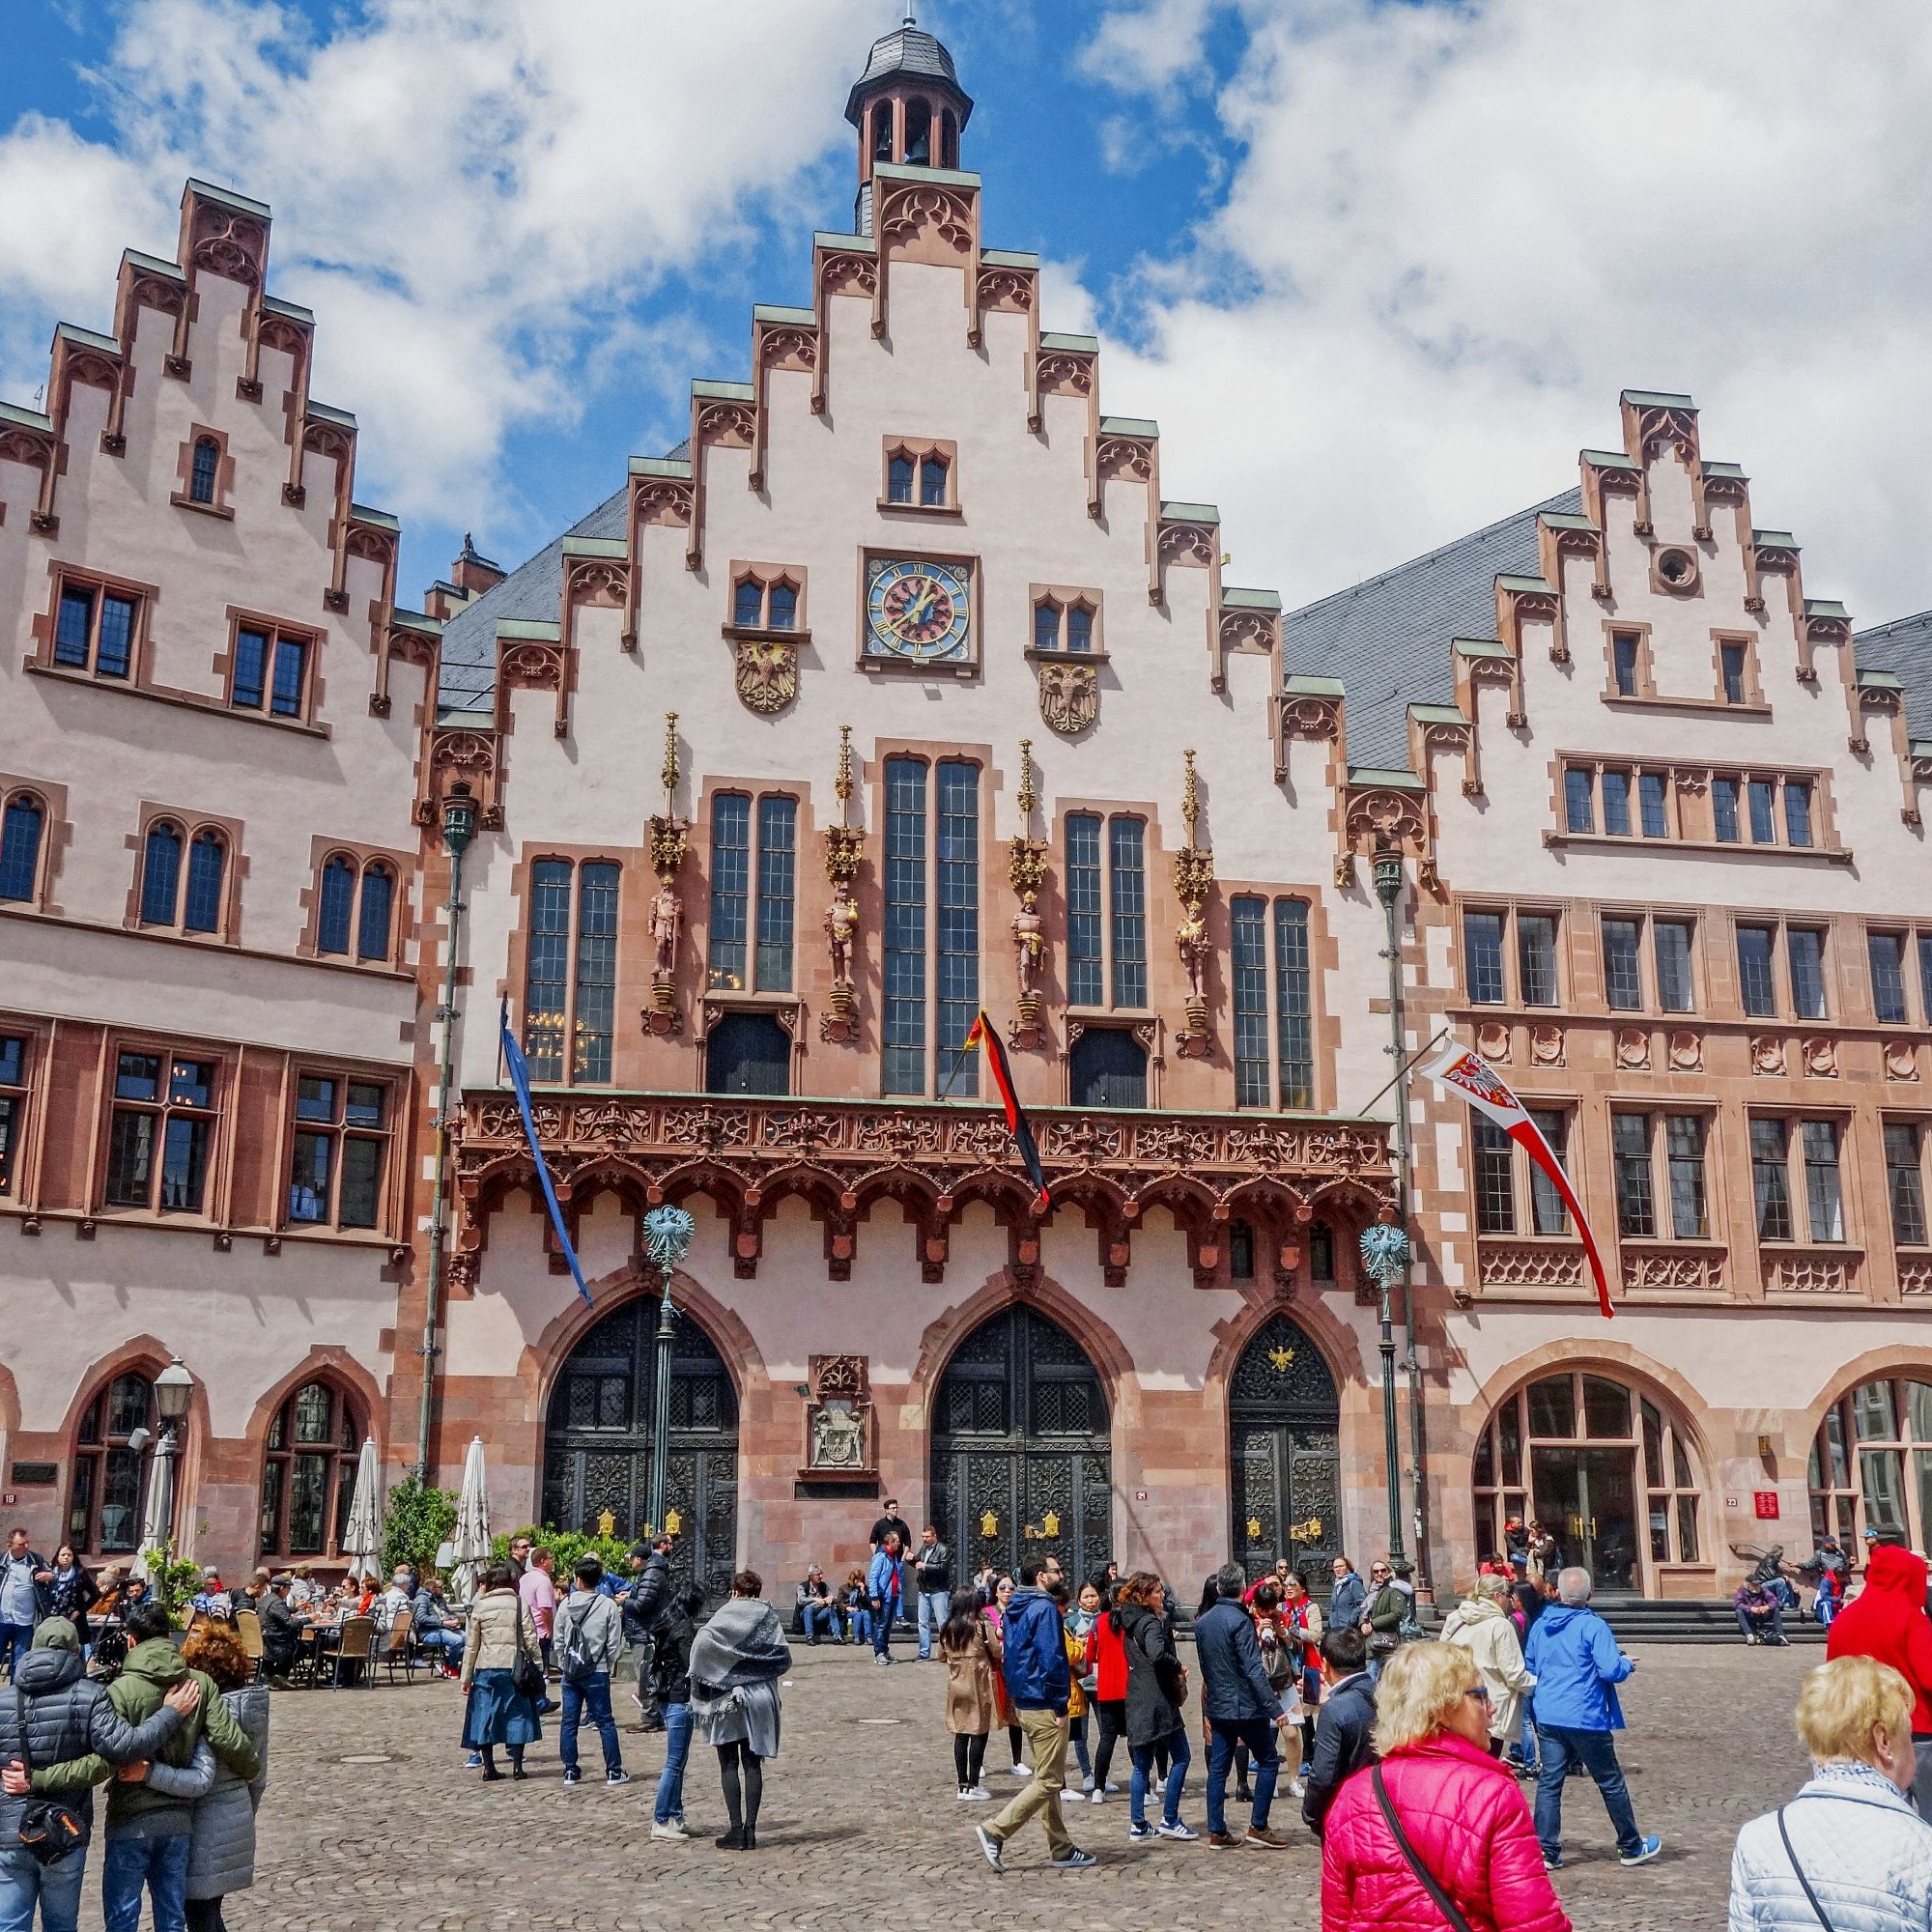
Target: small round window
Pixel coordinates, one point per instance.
(1677, 569)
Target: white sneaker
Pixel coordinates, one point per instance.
(672, 1829)
(1176, 1830)
(1297, 1788)
(1100, 1796)
(976, 1794)
(1020, 1771)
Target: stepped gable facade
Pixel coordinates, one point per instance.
(896, 691)
(210, 913)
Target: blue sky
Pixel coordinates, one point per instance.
(1378, 268)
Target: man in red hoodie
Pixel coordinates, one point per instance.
(1887, 1620)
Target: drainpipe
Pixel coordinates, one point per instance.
(1389, 878)
(459, 828)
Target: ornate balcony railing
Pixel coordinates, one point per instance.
(1275, 1170)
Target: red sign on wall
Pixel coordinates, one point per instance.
(1764, 1505)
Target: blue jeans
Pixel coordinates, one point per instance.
(1527, 1745)
(16, 1640)
(158, 1863)
(448, 1641)
(1596, 1752)
(820, 1617)
(23, 1880)
(862, 1623)
(1076, 1736)
(882, 1626)
(592, 1695)
(678, 1748)
(1223, 1735)
(933, 1605)
(1176, 1746)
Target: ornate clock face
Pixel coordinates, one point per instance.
(918, 610)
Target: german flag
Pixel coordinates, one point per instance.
(984, 1033)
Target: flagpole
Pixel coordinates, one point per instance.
(1407, 1066)
(952, 1073)
(1389, 884)
(459, 828)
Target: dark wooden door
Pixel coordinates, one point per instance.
(597, 1441)
(1283, 1456)
(1022, 1457)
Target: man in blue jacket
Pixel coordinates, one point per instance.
(1577, 1666)
(1241, 1707)
(1037, 1682)
(882, 1588)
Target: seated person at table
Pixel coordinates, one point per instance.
(435, 1624)
(211, 1600)
(281, 1630)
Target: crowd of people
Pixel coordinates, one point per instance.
(1431, 1772)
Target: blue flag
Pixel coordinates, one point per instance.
(520, 1080)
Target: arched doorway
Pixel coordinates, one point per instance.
(1602, 1465)
(597, 1441)
(1283, 1422)
(1022, 1457)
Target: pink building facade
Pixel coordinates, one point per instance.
(897, 691)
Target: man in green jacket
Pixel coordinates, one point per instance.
(148, 1832)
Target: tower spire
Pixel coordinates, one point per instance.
(908, 108)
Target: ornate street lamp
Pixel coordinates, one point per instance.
(1386, 1248)
(459, 828)
(174, 1390)
(667, 1232)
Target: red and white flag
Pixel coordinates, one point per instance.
(1467, 1073)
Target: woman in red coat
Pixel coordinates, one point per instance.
(1466, 1821)
(1107, 1653)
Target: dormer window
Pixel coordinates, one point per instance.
(206, 466)
(767, 596)
(1063, 620)
(919, 475)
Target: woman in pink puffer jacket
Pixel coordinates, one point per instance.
(1461, 1811)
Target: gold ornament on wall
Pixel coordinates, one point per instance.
(1026, 871)
(767, 673)
(671, 838)
(1193, 879)
(845, 847)
(989, 1523)
(607, 1523)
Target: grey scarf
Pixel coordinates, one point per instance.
(742, 1643)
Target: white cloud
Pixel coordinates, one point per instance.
(470, 193)
(1455, 234)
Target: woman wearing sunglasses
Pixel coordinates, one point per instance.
(1436, 1836)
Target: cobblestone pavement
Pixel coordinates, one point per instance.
(371, 1821)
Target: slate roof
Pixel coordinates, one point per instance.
(533, 592)
(1388, 639)
(910, 51)
(1902, 649)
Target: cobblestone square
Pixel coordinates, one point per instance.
(371, 1820)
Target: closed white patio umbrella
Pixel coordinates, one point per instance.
(471, 1541)
(362, 1536)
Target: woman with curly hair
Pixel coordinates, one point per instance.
(222, 1854)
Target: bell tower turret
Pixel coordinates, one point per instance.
(908, 108)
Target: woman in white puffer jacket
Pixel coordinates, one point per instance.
(1851, 1834)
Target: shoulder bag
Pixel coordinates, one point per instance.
(1440, 1898)
(49, 1829)
(1798, 1871)
(526, 1674)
